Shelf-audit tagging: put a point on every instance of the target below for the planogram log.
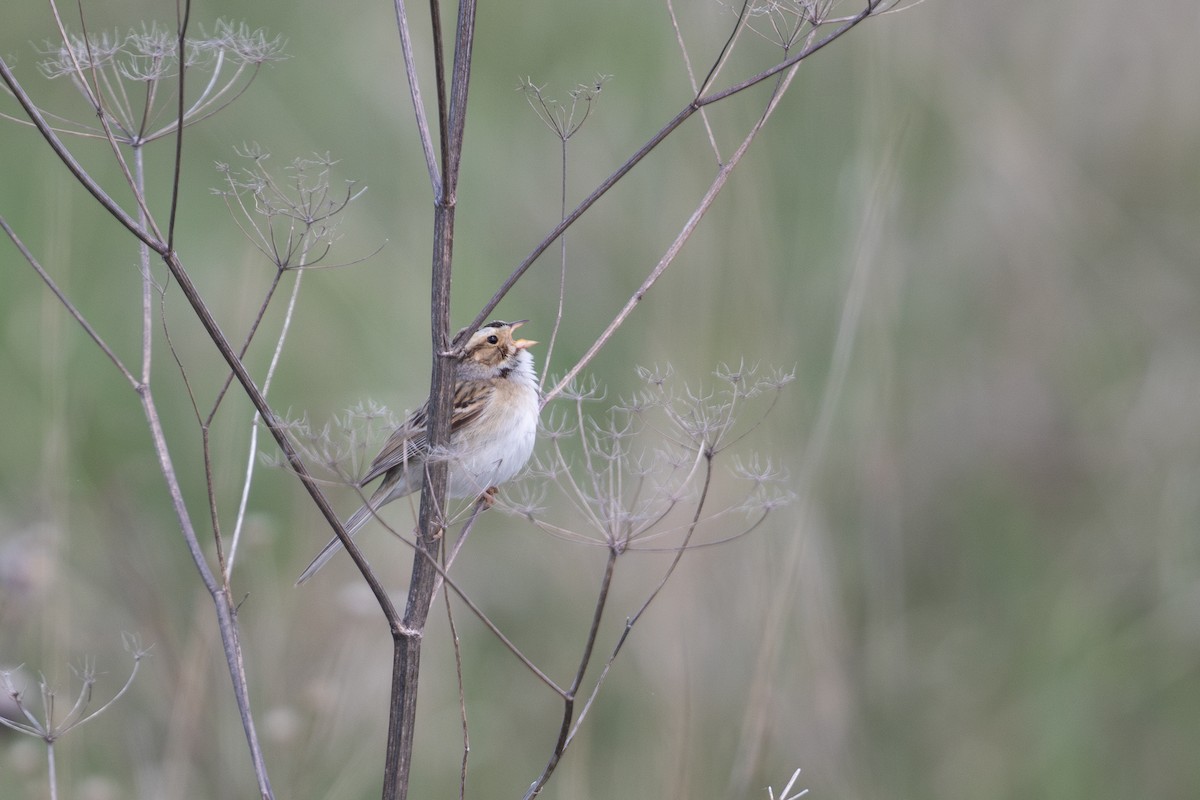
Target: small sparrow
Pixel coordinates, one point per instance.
(491, 431)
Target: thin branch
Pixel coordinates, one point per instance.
(98, 107)
(726, 49)
(871, 7)
(685, 233)
(184, 10)
(222, 599)
(252, 450)
(199, 113)
(456, 122)
(480, 505)
(633, 620)
(81, 175)
(442, 578)
(576, 213)
(407, 633)
(245, 348)
(67, 304)
(643, 151)
(77, 712)
(564, 121)
(277, 428)
(439, 72)
(562, 266)
(585, 659)
(414, 90)
(687, 63)
(462, 693)
(188, 288)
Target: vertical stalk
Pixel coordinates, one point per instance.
(406, 636)
(52, 768)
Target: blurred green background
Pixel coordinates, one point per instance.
(989, 584)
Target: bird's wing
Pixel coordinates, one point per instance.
(409, 443)
(406, 444)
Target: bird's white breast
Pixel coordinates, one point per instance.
(503, 436)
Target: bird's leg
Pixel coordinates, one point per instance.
(489, 496)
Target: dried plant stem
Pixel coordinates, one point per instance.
(427, 576)
(252, 449)
(570, 723)
(94, 97)
(562, 265)
(219, 591)
(72, 164)
(212, 329)
(462, 696)
(147, 233)
(480, 505)
(467, 527)
(184, 12)
(726, 49)
(631, 621)
(685, 233)
(414, 90)
(568, 698)
(443, 579)
(222, 598)
(697, 103)
(52, 770)
(687, 63)
(262, 311)
(408, 632)
(27, 254)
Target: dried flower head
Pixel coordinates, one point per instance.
(641, 472)
(292, 220)
(563, 119)
(131, 80)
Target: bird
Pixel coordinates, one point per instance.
(492, 429)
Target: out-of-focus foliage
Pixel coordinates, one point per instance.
(989, 585)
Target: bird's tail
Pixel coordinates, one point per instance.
(353, 526)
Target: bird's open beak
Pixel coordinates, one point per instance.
(521, 344)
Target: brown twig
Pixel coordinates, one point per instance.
(692, 107)
(462, 689)
(147, 234)
(684, 235)
(92, 333)
(407, 633)
(585, 659)
(414, 90)
(633, 620)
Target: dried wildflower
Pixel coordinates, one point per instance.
(132, 79)
(785, 23)
(52, 727)
(292, 221)
(642, 472)
(563, 119)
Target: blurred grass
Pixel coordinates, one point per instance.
(997, 589)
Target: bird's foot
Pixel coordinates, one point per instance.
(489, 496)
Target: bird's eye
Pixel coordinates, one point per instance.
(493, 339)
